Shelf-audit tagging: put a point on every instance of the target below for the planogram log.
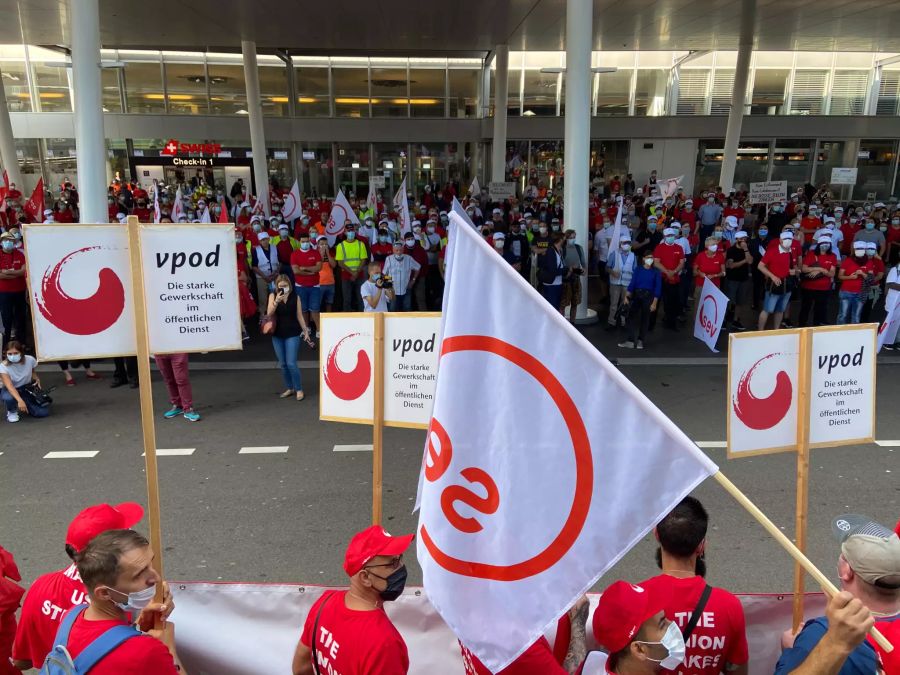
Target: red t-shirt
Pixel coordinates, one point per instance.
(849, 266)
(778, 261)
(688, 218)
(14, 260)
(64, 216)
(826, 261)
(707, 265)
(538, 659)
(380, 252)
(143, 214)
(719, 636)
(309, 258)
(810, 224)
(285, 250)
(49, 597)
(142, 655)
(849, 231)
(877, 264)
(352, 642)
(669, 256)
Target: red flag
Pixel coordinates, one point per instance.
(34, 207)
(223, 213)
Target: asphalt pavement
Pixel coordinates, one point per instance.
(284, 509)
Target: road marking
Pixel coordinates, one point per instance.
(263, 450)
(711, 444)
(353, 448)
(888, 444)
(172, 452)
(71, 454)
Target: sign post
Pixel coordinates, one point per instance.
(821, 384)
(379, 368)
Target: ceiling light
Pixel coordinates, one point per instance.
(355, 101)
(416, 101)
(51, 94)
(278, 99)
(305, 99)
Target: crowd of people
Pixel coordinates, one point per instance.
(106, 611)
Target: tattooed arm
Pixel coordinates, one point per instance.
(577, 651)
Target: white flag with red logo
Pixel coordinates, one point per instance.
(205, 217)
(178, 206)
(710, 314)
(527, 495)
(401, 205)
(156, 212)
(372, 198)
(341, 212)
(475, 188)
(887, 332)
(669, 187)
(293, 205)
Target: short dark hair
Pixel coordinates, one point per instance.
(556, 237)
(98, 563)
(684, 528)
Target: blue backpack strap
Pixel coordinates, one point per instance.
(65, 627)
(103, 645)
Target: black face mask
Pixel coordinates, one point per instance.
(396, 582)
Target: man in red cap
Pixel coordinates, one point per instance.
(630, 624)
(51, 595)
(348, 632)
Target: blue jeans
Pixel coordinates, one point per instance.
(401, 303)
(851, 307)
(310, 297)
(286, 349)
(12, 405)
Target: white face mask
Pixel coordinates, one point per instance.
(673, 641)
(712, 248)
(137, 600)
(648, 262)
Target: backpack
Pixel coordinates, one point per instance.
(60, 662)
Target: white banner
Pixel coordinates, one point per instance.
(710, 314)
(763, 382)
(341, 212)
(191, 288)
(293, 204)
(499, 570)
(375, 182)
(475, 188)
(668, 187)
(501, 190)
(843, 176)
(842, 387)
(411, 345)
(81, 295)
(887, 333)
(247, 629)
(401, 205)
(347, 348)
(767, 192)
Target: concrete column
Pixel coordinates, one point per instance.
(674, 90)
(577, 143)
(501, 94)
(257, 134)
(738, 95)
(8, 143)
(874, 90)
(90, 141)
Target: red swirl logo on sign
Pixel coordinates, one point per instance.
(763, 413)
(81, 316)
(488, 500)
(707, 323)
(347, 385)
(336, 220)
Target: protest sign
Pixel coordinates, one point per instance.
(766, 192)
(710, 314)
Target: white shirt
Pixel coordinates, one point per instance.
(595, 663)
(400, 270)
(685, 244)
(20, 373)
(893, 277)
(369, 289)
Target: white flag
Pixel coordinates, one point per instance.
(178, 208)
(475, 188)
(204, 217)
(669, 187)
(710, 314)
(617, 228)
(401, 204)
(527, 495)
(341, 211)
(887, 333)
(372, 198)
(156, 213)
(293, 207)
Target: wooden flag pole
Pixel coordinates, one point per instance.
(789, 546)
(803, 403)
(147, 425)
(378, 418)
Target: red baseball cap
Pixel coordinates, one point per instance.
(370, 542)
(99, 518)
(622, 610)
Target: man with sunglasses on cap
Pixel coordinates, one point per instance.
(630, 624)
(348, 632)
(51, 595)
(869, 569)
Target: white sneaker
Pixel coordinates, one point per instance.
(627, 344)
(640, 345)
(12, 416)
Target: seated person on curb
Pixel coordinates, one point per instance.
(16, 377)
(117, 570)
(630, 624)
(348, 632)
(869, 569)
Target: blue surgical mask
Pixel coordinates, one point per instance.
(351, 235)
(670, 239)
(376, 277)
(13, 358)
(135, 601)
(384, 239)
(870, 225)
(305, 245)
(651, 227)
(763, 233)
(8, 246)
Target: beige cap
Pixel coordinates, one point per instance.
(872, 550)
